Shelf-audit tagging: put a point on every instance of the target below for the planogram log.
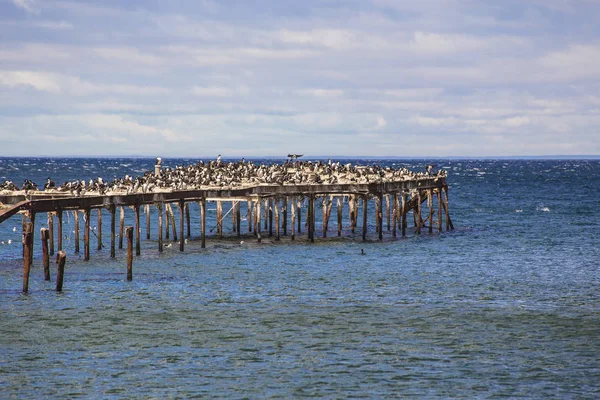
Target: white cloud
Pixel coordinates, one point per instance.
(219, 91)
(28, 5)
(327, 93)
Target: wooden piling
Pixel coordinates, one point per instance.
(167, 222)
(439, 197)
(270, 202)
(51, 232)
(293, 222)
(449, 224)
(379, 200)
(403, 213)
(138, 228)
(76, 219)
(339, 216)
(238, 218)
(266, 216)
(203, 222)
(276, 210)
(147, 211)
(233, 212)
(59, 232)
(430, 207)
(328, 206)
(159, 207)
(377, 214)
(121, 226)
(387, 210)
(418, 212)
(45, 235)
(181, 216)
(187, 220)
(61, 259)
(27, 246)
(86, 235)
(99, 229)
(255, 219)
(258, 224)
(249, 215)
(299, 212)
(112, 210)
(394, 213)
(284, 213)
(129, 233)
(365, 215)
(173, 225)
(220, 219)
(352, 212)
(311, 221)
(32, 219)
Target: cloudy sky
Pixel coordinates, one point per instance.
(320, 77)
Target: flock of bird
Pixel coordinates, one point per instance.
(215, 174)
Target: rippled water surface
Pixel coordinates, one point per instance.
(506, 305)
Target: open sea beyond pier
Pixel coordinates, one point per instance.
(506, 305)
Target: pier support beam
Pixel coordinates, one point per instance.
(249, 215)
(275, 203)
(299, 211)
(365, 217)
(203, 222)
(394, 213)
(187, 220)
(387, 210)
(61, 259)
(284, 214)
(147, 211)
(27, 246)
(159, 207)
(121, 226)
(86, 235)
(129, 233)
(220, 219)
(45, 236)
(138, 229)
(59, 231)
(76, 220)
(258, 224)
(339, 216)
(238, 218)
(99, 229)
(403, 213)
(112, 211)
(181, 216)
(293, 222)
(51, 232)
(380, 215)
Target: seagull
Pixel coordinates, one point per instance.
(429, 168)
(294, 156)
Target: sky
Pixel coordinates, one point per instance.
(242, 78)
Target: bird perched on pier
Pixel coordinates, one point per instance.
(158, 161)
(219, 159)
(429, 169)
(50, 184)
(294, 156)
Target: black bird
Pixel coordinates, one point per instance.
(429, 168)
(50, 184)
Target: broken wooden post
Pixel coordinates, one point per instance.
(45, 235)
(61, 258)
(112, 211)
(51, 232)
(172, 218)
(27, 246)
(129, 233)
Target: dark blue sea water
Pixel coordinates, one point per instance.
(506, 305)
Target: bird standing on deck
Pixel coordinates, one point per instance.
(429, 169)
(50, 184)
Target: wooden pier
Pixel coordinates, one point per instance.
(276, 208)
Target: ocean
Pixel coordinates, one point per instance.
(505, 305)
